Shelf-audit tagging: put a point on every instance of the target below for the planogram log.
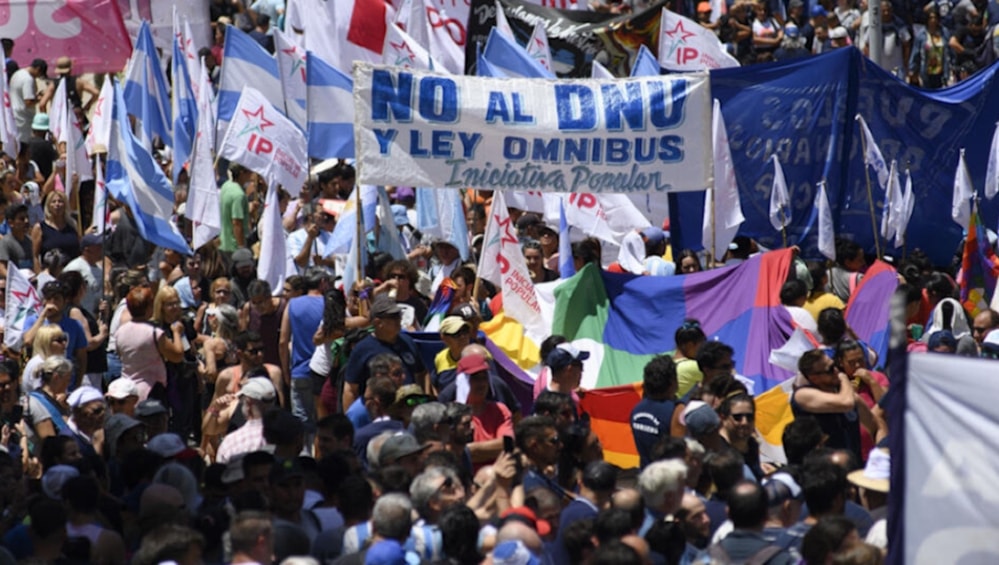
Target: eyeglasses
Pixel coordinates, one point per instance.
(745, 417)
(62, 339)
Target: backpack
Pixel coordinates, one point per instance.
(719, 555)
(985, 54)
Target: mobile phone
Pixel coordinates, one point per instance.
(508, 444)
(15, 415)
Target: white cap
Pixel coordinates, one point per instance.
(258, 389)
(122, 388)
(84, 395)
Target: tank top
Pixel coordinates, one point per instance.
(65, 240)
(269, 328)
(842, 429)
(304, 315)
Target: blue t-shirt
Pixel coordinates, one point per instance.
(650, 420)
(356, 371)
(72, 329)
(305, 313)
(577, 510)
(358, 414)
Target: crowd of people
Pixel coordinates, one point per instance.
(161, 407)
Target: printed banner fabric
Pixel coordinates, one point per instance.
(648, 134)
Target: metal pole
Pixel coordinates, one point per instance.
(875, 38)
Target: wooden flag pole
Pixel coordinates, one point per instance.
(870, 198)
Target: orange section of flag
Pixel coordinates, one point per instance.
(610, 417)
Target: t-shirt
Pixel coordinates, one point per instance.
(688, 374)
(136, 343)
(92, 275)
(357, 372)
(17, 251)
(492, 422)
(650, 420)
(22, 89)
(234, 207)
(445, 369)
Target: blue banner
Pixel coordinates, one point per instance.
(804, 111)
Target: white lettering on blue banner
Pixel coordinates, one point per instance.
(648, 134)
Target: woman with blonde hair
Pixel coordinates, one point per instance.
(182, 377)
(49, 341)
(219, 350)
(219, 293)
(56, 231)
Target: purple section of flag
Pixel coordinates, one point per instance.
(867, 312)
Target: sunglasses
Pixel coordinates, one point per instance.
(253, 350)
(746, 417)
(412, 401)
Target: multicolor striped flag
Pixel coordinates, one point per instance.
(979, 269)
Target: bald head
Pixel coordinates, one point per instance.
(984, 322)
(519, 531)
(476, 349)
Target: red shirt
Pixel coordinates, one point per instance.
(493, 421)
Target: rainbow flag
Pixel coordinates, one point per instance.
(979, 269)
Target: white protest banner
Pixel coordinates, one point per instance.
(266, 142)
(418, 128)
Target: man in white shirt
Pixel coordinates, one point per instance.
(88, 264)
(24, 100)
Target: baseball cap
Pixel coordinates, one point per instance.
(385, 307)
(703, 7)
(40, 122)
(527, 516)
(121, 388)
(258, 389)
(169, 445)
(654, 235)
(115, 427)
(564, 355)
(942, 337)
(91, 239)
(471, 364)
(397, 447)
(838, 32)
(404, 193)
(149, 407)
(453, 325)
(285, 469)
(54, 479)
(791, 30)
(780, 487)
(818, 11)
(410, 391)
(700, 419)
(465, 311)
(242, 257)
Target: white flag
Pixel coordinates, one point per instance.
(600, 71)
(401, 50)
(412, 18)
(444, 43)
(872, 154)
(291, 67)
(537, 46)
(608, 216)
(502, 24)
(908, 203)
(8, 128)
(992, 173)
(65, 128)
(893, 203)
(22, 301)
(780, 201)
(263, 140)
(722, 207)
(203, 193)
(100, 218)
(273, 256)
(99, 135)
(827, 233)
(685, 45)
(960, 207)
(527, 200)
(502, 263)
(58, 110)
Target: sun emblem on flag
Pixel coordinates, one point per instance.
(256, 121)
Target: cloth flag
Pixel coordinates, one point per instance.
(894, 202)
(273, 256)
(189, 48)
(827, 234)
(780, 201)
(600, 71)
(440, 305)
(960, 208)
(65, 127)
(184, 104)
(447, 34)
(358, 247)
(646, 64)
(867, 312)
(412, 18)
(291, 62)
(401, 50)
(537, 46)
(136, 179)
(608, 217)
(147, 96)
(22, 301)
(440, 214)
(992, 172)
(330, 110)
(685, 45)
(387, 237)
(566, 264)
(245, 62)
(872, 154)
(502, 263)
(979, 269)
(203, 193)
(8, 128)
(512, 59)
(502, 24)
(265, 141)
(99, 134)
(101, 216)
(343, 31)
(342, 238)
(722, 207)
(908, 204)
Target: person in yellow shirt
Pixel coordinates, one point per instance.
(688, 338)
(456, 333)
(820, 298)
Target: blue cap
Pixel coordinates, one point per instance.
(654, 235)
(942, 337)
(819, 11)
(564, 355)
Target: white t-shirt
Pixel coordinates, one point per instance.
(22, 88)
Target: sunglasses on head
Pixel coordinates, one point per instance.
(412, 401)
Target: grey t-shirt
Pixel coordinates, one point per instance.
(17, 251)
